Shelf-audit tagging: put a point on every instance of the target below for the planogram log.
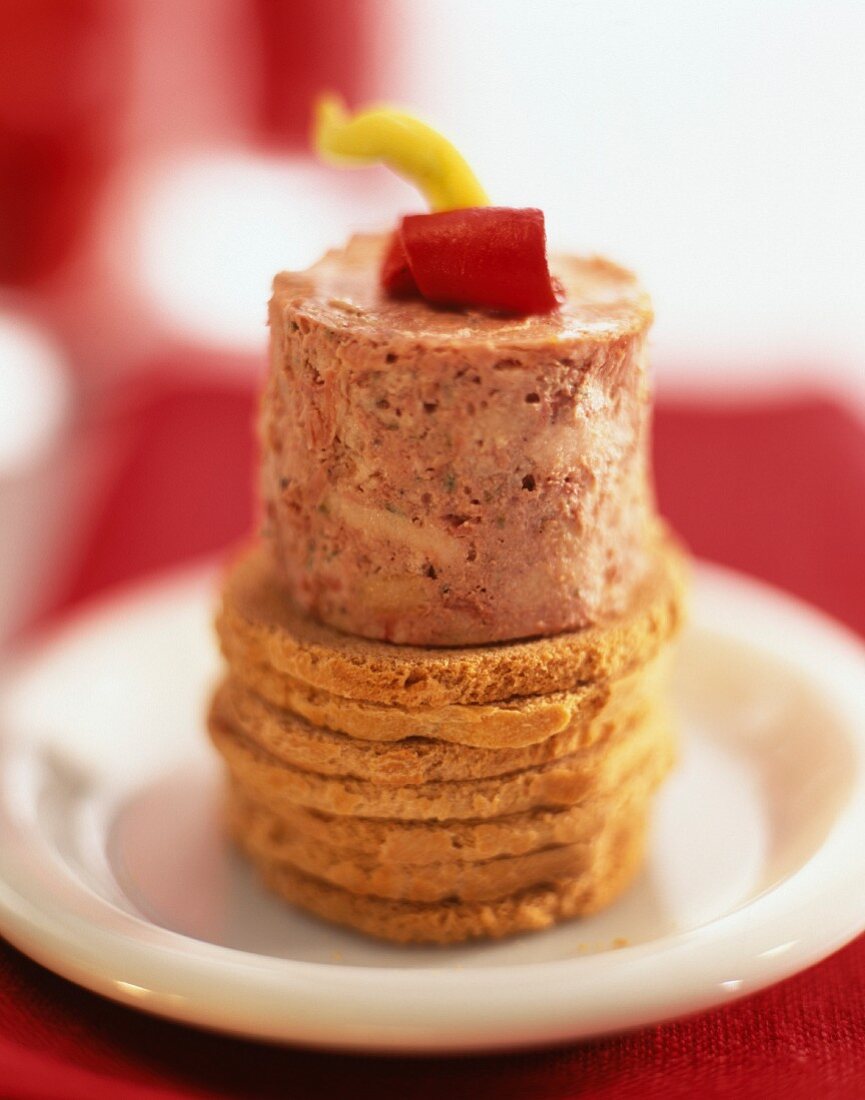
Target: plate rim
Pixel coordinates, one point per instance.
(550, 1011)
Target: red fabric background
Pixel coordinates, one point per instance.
(776, 489)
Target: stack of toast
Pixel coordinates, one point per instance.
(429, 794)
(443, 714)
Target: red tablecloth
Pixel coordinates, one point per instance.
(774, 489)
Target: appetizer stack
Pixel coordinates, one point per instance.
(443, 715)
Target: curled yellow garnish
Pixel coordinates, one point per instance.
(408, 146)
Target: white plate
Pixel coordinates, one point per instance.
(114, 874)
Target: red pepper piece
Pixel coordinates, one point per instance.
(489, 256)
(396, 278)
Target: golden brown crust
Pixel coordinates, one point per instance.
(263, 834)
(564, 782)
(419, 759)
(392, 841)
(259, 627)
(508, 725)
(615, 863)
(511, 723)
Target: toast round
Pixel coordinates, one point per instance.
(453, 921)
(261, 833)
(418, 759)
(589, 773)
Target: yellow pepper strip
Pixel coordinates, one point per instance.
(408, 146)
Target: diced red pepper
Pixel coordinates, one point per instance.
(396, 278)
(487, 256)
